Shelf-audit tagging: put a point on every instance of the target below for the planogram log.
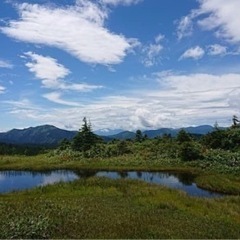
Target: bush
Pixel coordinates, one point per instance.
(228, 158)
(190, 151)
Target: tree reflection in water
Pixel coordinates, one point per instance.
(18, 180)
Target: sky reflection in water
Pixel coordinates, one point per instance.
(20, 180)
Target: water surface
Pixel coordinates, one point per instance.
(20, 180)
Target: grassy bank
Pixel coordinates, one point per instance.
(103, 208)
(125, 162)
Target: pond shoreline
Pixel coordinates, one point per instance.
(207, 179)
(184, 181)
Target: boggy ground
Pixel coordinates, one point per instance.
(104, 208)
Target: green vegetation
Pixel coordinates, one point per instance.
(85, 139)
(25, 150)
(102, 208)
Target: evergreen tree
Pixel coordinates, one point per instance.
(236, 122)
(183, 136)
(64, 144)
(85, 139)
(139, 137)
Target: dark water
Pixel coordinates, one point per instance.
(19, 180)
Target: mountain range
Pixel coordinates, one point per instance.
(51, 135)
(40, 135)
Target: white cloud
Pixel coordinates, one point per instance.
(152, 51)
(220, 16)
(152, 54)
(5, 64)
(2, 89)
(78, 29)
(195, 53)
(223, 16)
(56, 97)
(47, 69)
(24, 109)
(216, 49)
(23, 104)
(120, 2)
(159, 38)
(185, 27)
(51, 73)
(200, 82)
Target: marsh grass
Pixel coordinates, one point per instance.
(220, 183)
(103, 208)
(125, 162)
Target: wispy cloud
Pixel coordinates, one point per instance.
(120, 2)
(152, 51)
(56, 98)
(2, 89)
(51, 73)
(176, 100)
(220, 16)
(216, 49)
(47, 69)
(195, 53)
(77, 29)
(5, 64)
(223, 17)
(184, 27)
(24, 104)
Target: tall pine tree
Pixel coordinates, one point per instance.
(85, 139)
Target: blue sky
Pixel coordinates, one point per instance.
(129, 64)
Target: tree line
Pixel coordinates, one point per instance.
(184, 146)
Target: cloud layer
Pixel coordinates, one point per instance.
(175, 101)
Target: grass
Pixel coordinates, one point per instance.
(220, 183)
(45, 162)
(103, 208)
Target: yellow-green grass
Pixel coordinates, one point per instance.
(104, 208)
(221, 183)
(45, 162)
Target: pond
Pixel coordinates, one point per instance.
(20, 180)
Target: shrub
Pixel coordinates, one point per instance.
(190, 151)
(228, 158)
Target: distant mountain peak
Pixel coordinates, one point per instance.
(107, 131)
(39, 135)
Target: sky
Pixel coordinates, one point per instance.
(122, 64)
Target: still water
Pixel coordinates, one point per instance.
(20, 180)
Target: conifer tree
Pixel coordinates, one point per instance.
(85, 139)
